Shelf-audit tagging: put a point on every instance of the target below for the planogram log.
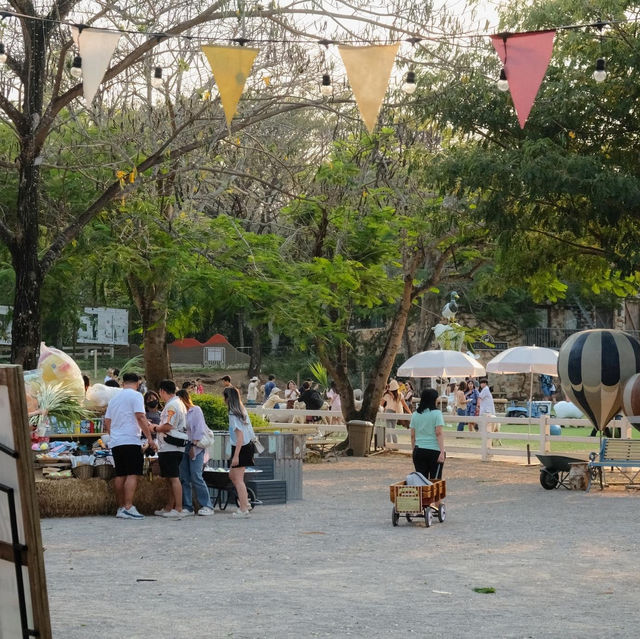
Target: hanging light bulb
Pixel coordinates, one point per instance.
(3, 55)
(409, 86)
(326, 89)
(76, 67)
(503, 83)
(600, 74)
(156, 80)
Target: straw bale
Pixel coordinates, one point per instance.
(81, 497)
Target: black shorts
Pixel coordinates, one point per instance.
(425, 461)
(128, 459)
(170, 463)
(246, 455)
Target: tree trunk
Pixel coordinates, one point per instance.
(375, 388)
(151, 302)
(255, 362)
(156, 355)
(25, 334)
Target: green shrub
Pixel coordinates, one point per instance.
(216, 415)
(214, 410)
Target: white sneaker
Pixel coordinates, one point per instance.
(120, 509)
(187, 513)
(172, 514)
(240, 514)
(205, 511)
(160, 513)
(132, 513)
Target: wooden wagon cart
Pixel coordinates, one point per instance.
(416, 501)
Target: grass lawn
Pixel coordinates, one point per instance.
(559, 444)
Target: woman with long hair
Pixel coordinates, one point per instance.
(240, 434)
(427, 438)
(291, 393)
(194, 459)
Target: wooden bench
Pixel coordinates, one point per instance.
(622, 454)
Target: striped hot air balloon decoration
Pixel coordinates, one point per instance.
(631, 399)
(594, 367)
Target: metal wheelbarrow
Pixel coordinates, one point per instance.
(555, 470)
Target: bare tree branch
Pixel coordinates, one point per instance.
(160, 155)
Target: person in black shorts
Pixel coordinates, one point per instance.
(241, 435)
(124, 421)
(172, 440)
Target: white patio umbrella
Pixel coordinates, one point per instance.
(525, 359)
(441, 363)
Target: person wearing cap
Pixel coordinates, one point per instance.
(393, 402)
(252, 391)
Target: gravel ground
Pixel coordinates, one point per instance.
(563, 563)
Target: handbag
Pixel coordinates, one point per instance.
(259, 448)
(207, 439)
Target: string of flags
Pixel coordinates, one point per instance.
(525, 58)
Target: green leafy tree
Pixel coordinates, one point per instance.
(561, 197)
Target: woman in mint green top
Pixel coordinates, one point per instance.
(426, 436)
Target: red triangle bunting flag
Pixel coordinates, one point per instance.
(525, 57)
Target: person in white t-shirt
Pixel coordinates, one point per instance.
(124, 420)
(485, 399)
(172, 440)
(487, 407)
(252, 391)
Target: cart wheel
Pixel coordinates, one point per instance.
(548, 479)
(428, 517)
(409, 518)
(442, 513)
(394, 516)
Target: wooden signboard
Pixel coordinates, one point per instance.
(408, 499)
(24, 606)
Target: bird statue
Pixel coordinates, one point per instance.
(451, 308)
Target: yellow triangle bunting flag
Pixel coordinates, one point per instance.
(369, 70)
(231, 67)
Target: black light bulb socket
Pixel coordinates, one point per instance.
(503, 74)
(157, 73)
(411, 77)
(77, 62)
(600, 64)
(326, 80)
(1, 48)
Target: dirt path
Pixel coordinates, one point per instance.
(563, 564)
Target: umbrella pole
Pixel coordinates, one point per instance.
(529, 420)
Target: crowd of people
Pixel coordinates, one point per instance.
(168, 423)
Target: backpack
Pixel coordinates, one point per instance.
(316, 399)
(417, 479)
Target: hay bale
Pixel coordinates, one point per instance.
(74, 497)
(83, 497)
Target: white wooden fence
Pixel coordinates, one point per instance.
(483, 443)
